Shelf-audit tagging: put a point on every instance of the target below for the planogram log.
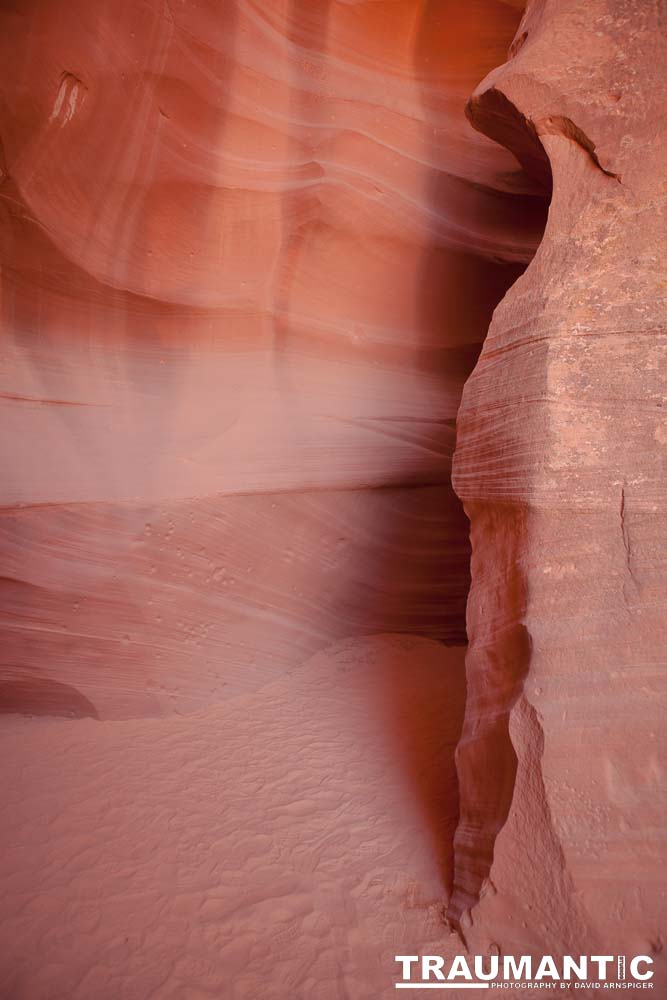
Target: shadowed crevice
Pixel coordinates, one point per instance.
(499, 652)
(25, 693)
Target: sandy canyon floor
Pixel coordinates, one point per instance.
(288, 843)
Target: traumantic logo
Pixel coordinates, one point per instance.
(584, 972)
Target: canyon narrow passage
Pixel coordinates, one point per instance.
(250, 259)
(250, 254)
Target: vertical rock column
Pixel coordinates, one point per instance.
(560, 465)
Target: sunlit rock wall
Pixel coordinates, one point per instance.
(249, 253)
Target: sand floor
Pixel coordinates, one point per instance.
(286, 844)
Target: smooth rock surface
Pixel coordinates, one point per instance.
(250, 252)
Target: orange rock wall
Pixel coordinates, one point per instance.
(560, 464)
(250, 253)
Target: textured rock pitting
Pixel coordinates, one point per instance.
(560, 464)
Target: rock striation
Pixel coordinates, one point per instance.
(249, 255)
(560, 464)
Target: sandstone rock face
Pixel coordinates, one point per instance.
(250, 252)
(560, 463)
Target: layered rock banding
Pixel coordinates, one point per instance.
(560, 464)
(250, 256)
(250, 253)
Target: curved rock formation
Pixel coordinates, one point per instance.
(250, 253)
(560, 464)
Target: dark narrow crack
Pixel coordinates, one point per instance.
(627, 541)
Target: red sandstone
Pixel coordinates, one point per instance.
(250, 253)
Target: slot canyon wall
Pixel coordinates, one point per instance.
(561, 465)
(250, 254)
